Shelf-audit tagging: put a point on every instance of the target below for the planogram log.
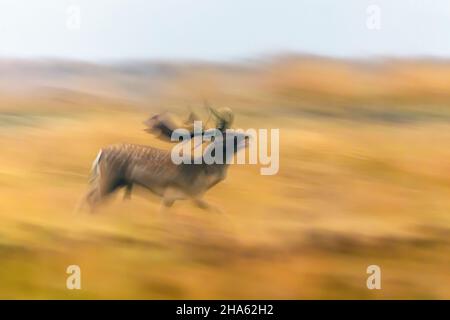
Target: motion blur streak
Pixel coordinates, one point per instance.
(364, 179)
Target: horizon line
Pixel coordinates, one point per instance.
(372, 58)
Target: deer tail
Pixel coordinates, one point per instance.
(93, 194)
(95, 169)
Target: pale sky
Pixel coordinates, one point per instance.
(220, 29)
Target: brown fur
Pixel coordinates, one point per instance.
(125, 165)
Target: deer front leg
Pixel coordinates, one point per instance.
(165, 204)
(169, 197)
(128, 189)
(207, 206)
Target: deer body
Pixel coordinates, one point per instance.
(125, 165)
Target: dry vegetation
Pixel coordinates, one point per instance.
(364, 179)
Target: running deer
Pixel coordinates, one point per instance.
(125, 165)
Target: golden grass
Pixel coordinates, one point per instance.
(350, 193)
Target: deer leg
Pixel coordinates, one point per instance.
(99, 192)
(207, 206)
(169, 197)
(166, 204)
(81, 204)
(128, 189)
(91, 199)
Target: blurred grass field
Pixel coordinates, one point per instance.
(364, 179)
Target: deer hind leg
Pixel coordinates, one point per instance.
(85, 200)
(90, 199)
(99, 191)
(97, 194)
